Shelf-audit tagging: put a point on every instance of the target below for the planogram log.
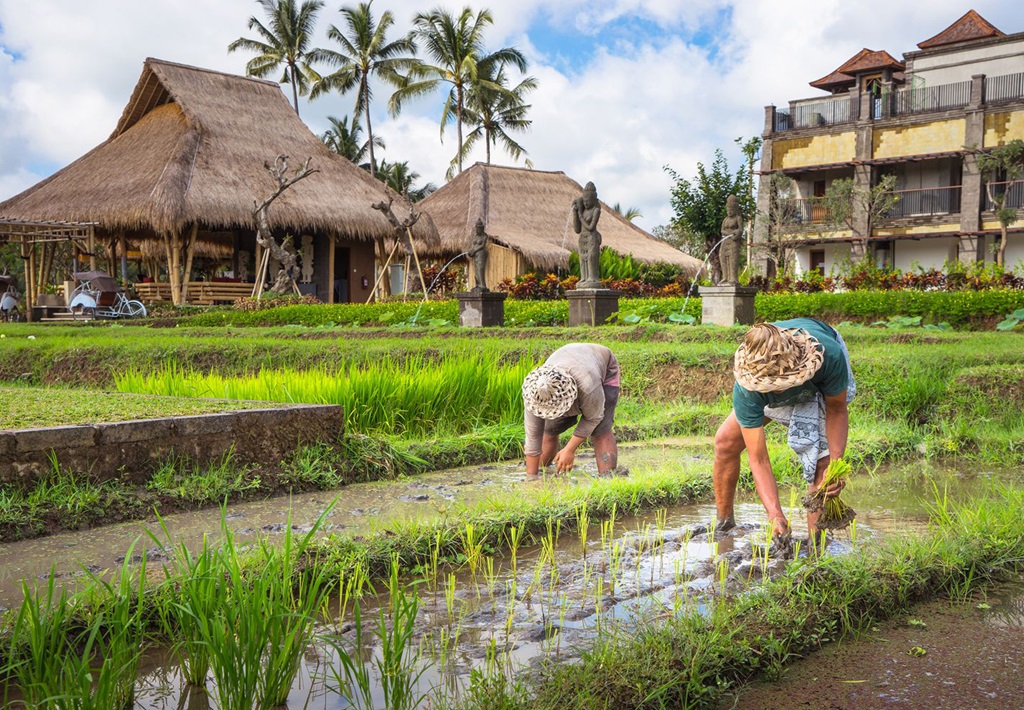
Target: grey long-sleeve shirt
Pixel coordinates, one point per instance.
(592, 367)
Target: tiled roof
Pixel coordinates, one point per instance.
(862, 61)
(971, 26)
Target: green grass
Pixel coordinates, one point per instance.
(30, 407)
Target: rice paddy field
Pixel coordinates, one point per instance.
(577, 592)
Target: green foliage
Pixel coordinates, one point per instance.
(181, 478)
(1011, 321)
(963, 309)
(700, 206)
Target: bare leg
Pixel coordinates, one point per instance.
(548, 448)
(725, 472)
(606, 452)
(812, 518)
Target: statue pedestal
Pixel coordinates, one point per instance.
(727, 305)
(481, 309)
(592, 306)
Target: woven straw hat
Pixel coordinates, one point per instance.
(549, 392)
(772, 359)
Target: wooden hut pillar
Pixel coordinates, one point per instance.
(122, 248)
(92, 248)
(27, 255)
(190, 250)
(331, 276)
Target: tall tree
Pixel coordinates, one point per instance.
(346, 139)
(456, 46)
(1001, 167)
(400, 178)
(496, 113)
(848, 205)
(700, 205)
(365, 54)
(285, 42)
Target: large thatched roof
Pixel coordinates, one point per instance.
(191, 147)
(528, 211)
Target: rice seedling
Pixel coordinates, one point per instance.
(583, 527)
(514, 537)
(835, 514)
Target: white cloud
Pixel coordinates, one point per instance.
(614, 116)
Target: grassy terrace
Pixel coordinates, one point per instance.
(29, 407)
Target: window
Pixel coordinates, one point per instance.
(818, 260)
(884, 255)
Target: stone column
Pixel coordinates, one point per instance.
(972, 191)
(481, 309)
(592, 306)
(727, 305)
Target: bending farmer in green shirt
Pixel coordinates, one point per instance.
(796, 372)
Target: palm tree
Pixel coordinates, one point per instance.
(346, 139)
(400, 178)
(628, 214)
(365, 53)
(285, 42)
(455, 44)
(495, 113)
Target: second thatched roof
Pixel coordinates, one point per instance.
(528, 212)
(190, 148)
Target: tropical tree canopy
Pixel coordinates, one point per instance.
(365, 53)
(400, 178)
(700, 205)
(346, 139)
(283, 42)
(495, 113)
(455, 46)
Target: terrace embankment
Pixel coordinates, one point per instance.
(128, 450)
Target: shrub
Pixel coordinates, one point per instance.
(274, 300)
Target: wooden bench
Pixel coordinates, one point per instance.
(200, 293)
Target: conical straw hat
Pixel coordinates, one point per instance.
(772, 359)
(549, 392)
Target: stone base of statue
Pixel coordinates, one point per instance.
(592, 306)
(481, 309)
(727, 304)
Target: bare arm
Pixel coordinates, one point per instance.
(764, 478)
(837, 424)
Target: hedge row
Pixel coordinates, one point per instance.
(961, 309)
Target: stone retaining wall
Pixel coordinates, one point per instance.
(130, 450)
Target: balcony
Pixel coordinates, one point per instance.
(1009, 87)
(816, 112)
(926, 202)
(908, 100)
(803, 210)
(1013, 190)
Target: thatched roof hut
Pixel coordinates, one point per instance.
(190, 148)
(527, 213)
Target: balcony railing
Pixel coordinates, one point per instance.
(829, 112)
(1013, 190)
(926, 201)
(930, 98)
(803, 210)
(1008, 87)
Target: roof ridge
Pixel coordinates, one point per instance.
(205, 70)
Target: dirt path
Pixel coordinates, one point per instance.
(964, 657)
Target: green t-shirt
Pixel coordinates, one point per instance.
(831, 378)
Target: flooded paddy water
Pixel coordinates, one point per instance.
(503, 611)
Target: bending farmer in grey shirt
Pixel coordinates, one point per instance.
(579, 381)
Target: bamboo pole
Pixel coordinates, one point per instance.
(383, 271)
(122, 248)
(92, 249)
(416, 256)
(190, 250)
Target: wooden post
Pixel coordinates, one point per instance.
(122, 247)
(190, 250)
(417, 258)
(331, 276)
(29, 276)
(383, 273)
(92, 248)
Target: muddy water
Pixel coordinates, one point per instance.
(554, 599)
(558, 597)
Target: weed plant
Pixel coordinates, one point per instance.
(181, 478)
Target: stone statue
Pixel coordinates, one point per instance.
(243, 266)
(478, 253)
(586, 211)
(307, 258)
(732, 241)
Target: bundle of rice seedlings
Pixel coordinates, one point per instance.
(835, 514)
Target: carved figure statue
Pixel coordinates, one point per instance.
(478, 253)
(307, 258)
(586, 211)
(243, 266)
(732, 241)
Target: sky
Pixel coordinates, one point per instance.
(625, 87)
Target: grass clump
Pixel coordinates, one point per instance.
(183, 479)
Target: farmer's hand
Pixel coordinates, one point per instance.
(564, 459)
(829, 492)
